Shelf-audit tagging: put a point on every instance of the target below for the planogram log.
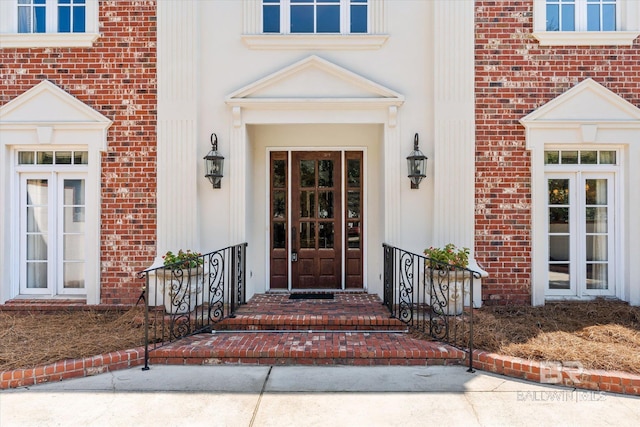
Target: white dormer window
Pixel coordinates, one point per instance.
(48, 23)
(586, 22)
(314, 16)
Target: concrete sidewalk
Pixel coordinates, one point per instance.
(309, 396)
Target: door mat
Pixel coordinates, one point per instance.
(314, 295)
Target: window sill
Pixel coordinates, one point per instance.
(47, 40)
(586, 38)
(314, 41)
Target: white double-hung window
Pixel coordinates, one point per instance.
(586, 22)
(48, 23)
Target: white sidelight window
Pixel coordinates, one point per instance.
(53, 241)
(581, 214)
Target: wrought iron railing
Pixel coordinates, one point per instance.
(188, 298)
(432, 298)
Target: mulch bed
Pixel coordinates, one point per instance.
(601, 334)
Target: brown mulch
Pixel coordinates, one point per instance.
(601, 334)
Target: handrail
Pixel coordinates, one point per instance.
(186, 299)
(430, 296)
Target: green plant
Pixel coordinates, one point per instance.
(183, 259)
(446, 258)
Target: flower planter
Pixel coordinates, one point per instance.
(183, 290)
(447, 290)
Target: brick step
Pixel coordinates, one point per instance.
(306, 348)
(295, 322)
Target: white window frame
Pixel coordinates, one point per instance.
(627, 26)
(55, 174)
(576, 174)
(253, 37)
(11, 38)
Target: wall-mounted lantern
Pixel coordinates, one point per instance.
(416, 165)
(213, 163)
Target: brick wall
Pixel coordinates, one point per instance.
(514, 76)
(116, 77)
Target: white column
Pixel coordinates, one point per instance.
(392, 178)
(177, 148)
(238, 179)
(454, 134)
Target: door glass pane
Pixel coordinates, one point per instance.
(279, 174)
(558, 191)
(279, 204)
(596, 220)
(559, 276)
(307, 173)
(73, 275)
(353, 204)
(37, 192)
(308, 235)
(37, 247)
(73, 247)
(37, 275)
(596, 191)
(325, 235)
(307, 204)
(74, 192)
(353, 173)
(37, 219)
(597, 276)
(325, 204)
(597, 248)
(558, 220)
(558, 248)
(279, 235)
(325, 173)
(353, 235)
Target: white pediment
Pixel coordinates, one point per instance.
(313, 81)
(587, 102)
(46, 103)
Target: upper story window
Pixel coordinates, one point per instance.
(586, 22)
(48, 23)
(581, 15)
(42, 16)
(314, 16)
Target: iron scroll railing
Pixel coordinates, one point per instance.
(431, 298)
(183, 300)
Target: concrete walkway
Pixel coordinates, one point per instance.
(309, 396)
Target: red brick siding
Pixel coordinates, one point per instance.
(117, 77)
(514, 76)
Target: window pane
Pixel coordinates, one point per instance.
(271, 18)
(353, 204)
(596, 220)
(593, 17)
(358, 18)
(307, 204)
(307, 173)
(74, 275)
(302, 19)
(37, 275)
(73, 247)
(353, 173)
(569, 157)
(609, 17)
(279, 174)
(558, 248)
(325, 173)
(588, 157)
(80, 158)
(279, 235)
(597, 276)
(24, 19)
(568, 17)
(36, 247)
(325, 204)
(559, 276)
(279, 204)
(79, 19)
(64, 19)
(39, 24)
(353, 235)
(328, 19)
(63, 157)
(74, 192)
(597, 248)
(37, 192)
(308, 235)
(558, 220)
(596, 191)
(74, 219)
(26, 158)
(551, 157)
(607, 157)
(37, 219)
(326, 236)
(553, 17)
(558, 191)
(44, 158)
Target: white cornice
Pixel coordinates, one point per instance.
(48, 40)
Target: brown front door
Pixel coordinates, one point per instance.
(313, 241)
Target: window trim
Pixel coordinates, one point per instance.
(628, 28)
(10, 38)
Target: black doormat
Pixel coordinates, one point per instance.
(314, 295)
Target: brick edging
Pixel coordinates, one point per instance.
(557, 373)
(72, 368)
